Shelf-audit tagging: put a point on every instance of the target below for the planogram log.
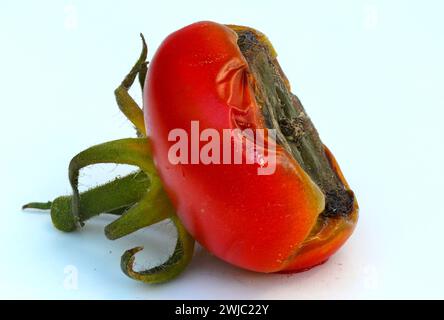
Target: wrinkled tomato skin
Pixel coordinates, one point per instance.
(257, 222)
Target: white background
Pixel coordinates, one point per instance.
(369, 73)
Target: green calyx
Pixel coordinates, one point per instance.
(138, 199)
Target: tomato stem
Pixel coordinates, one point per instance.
(114, 197)
(38, 205)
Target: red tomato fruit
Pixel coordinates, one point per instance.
(290, 220)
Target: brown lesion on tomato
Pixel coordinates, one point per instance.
(295, 132)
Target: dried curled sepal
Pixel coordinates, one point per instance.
(168, 270)
(132, 151)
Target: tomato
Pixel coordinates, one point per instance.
(264, 223)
